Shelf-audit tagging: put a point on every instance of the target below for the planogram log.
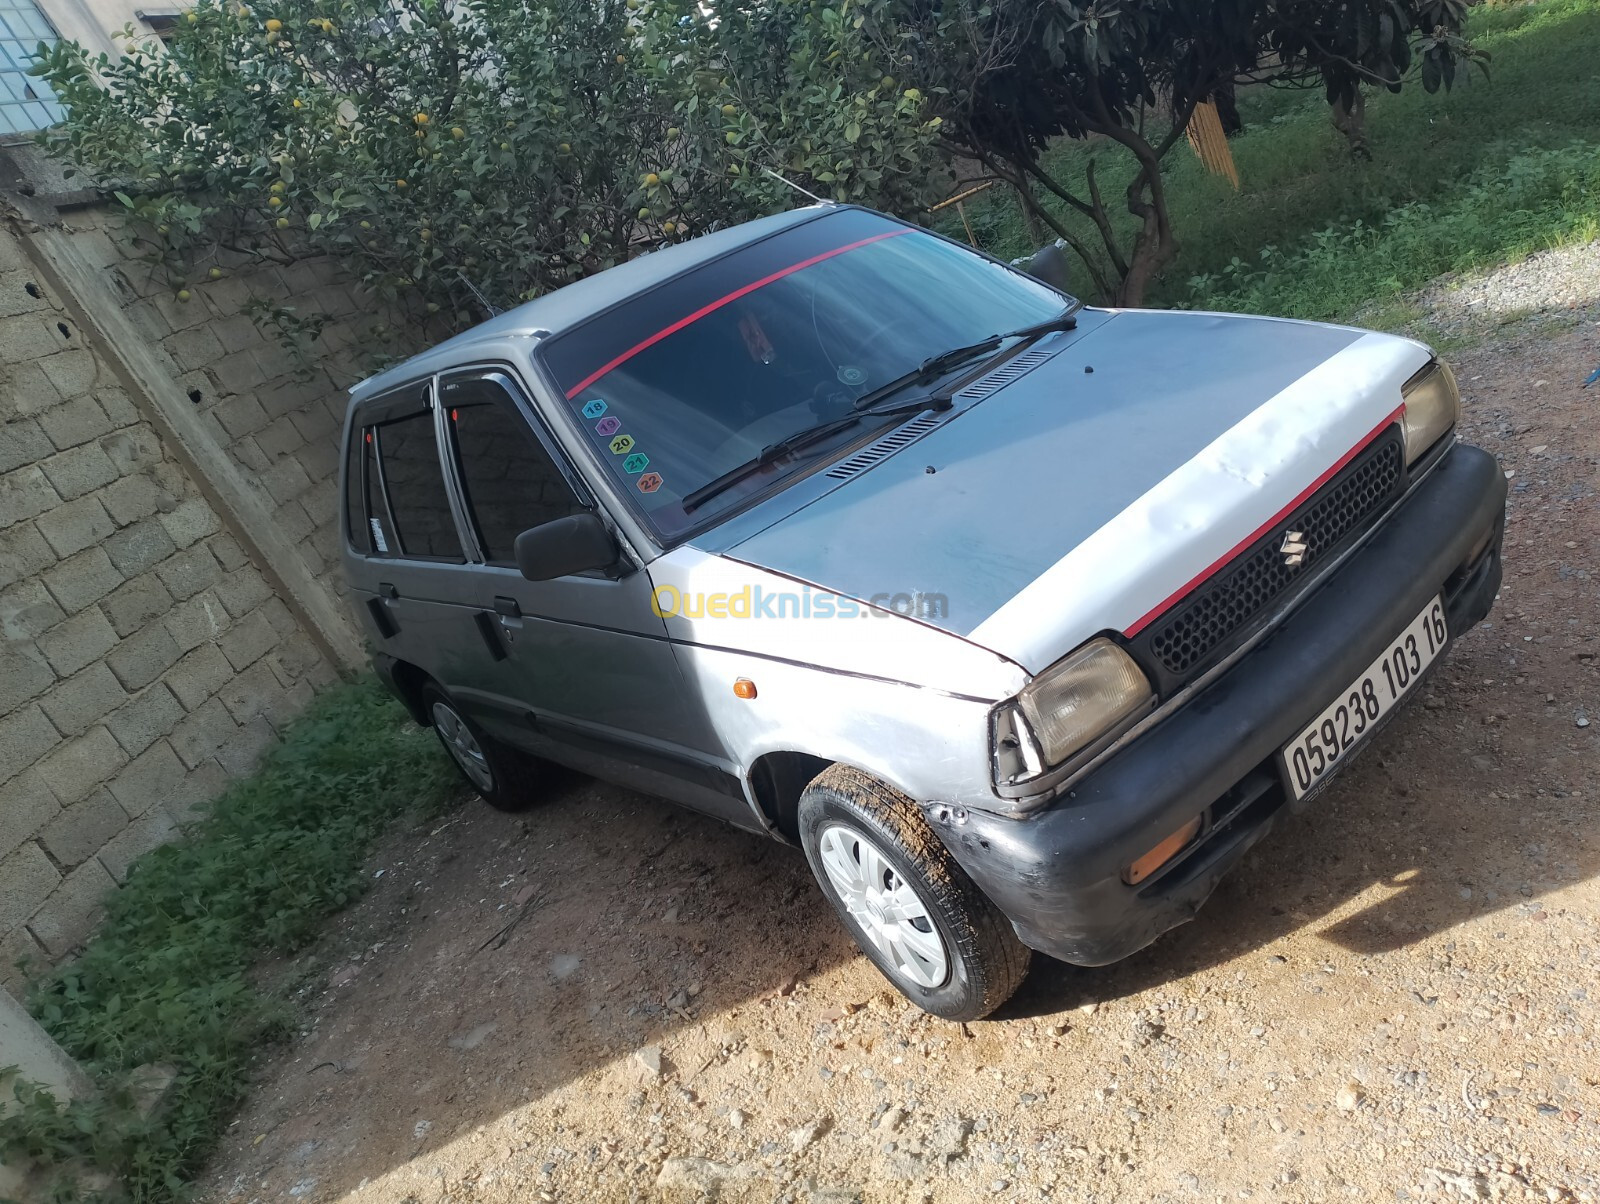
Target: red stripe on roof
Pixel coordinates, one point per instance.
(718, 304)
(1264, 527)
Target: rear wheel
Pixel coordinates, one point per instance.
(910, 906)
(503, 777)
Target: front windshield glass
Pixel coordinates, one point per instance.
(688, 381)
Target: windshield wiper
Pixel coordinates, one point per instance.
(932, 368)
(801, 438)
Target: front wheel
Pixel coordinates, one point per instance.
(910, 906)
(503, 777)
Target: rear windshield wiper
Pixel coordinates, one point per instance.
(932, 368)
(801, 438)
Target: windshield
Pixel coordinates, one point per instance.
(690, 380)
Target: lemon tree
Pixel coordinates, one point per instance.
(458, 153)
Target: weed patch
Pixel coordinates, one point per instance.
(166, 977)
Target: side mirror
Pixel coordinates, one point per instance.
(574, 544)
(1049, 264)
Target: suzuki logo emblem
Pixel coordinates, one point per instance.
(1293, 548)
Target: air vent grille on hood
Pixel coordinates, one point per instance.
(1011, 370)
(892, 442)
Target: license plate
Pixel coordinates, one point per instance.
(1330, 739)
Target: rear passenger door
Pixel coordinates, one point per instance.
(402, 520)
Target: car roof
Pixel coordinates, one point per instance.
(574, 304)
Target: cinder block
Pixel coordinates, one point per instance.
(145, 718)
(254, 692)
(71, 913)
(149, 779)
(228, 552)
(140, 546)
(27, 611)
(285, 481)
(28, 337)
(241, 415)
(191, 520)
(189, 572)
(280, 617)
(78, 766)
(25, 494)
(77, 642)
(133, 449)
(242, 590)
(27, 391)
(199, 675)
(23, 675)
(200, 735)
(75, 422)
(190, 802)
(143, 657)
(293, 521)
(82, 580)
(118, 408)
(133, 605)
(321, 463)
(26, 806)
(72, 371)
(241, 752)
(78, 833)
(151, 832)
(194, 348)
(74, 526)
(77, 472)
(238, 373)
(201, 619)
(316, 424)
(21, 957)
(29, 879)
(25, 736)
(278, 438)
(23, 553)
(78, 703)
(135, 497)
(248, 640)
(237, 333)
(23, 443)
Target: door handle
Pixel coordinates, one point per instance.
(386, 590)
(507, 608)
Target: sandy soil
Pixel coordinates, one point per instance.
(1393, 999)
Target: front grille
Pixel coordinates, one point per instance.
(1225, 609)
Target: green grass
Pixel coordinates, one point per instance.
(167, 978)
(1443, 160)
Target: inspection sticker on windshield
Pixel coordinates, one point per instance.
(635, 462)
(1327, 743)
(650, 482)
(608, 426)
(621, 445)
(594, 408)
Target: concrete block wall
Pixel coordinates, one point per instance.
(277, 416)
(146, 660)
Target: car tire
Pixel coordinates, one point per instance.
(908, 904)
(503, 777)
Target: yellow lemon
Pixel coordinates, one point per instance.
(421, 119)
(216, 273)
(274, 201)
(277, 186)
(425, 234)
(399, 183)
(184, 294)
(673, 131)
(366, 225)
(283, 223)
(505, 146)
(651, 180)
(457, 132)
(274, 25)
(566, 148)
(728, 110)
(296, 103)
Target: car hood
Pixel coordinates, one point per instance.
(1084, 493)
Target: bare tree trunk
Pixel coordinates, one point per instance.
(1030, 219)
(1352, 123)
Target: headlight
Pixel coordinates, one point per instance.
(1067, 708)
(1433, 403)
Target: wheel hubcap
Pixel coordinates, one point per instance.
(463, 746)
(884, 906)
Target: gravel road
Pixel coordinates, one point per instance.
(1393, 999)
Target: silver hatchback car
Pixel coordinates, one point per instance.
(1023, 619)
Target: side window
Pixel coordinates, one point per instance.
(355, 507)
(418, 502)
(509, 480)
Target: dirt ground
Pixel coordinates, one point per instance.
(1394, 998)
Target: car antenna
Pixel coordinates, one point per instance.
(494, 310)
(819, 200)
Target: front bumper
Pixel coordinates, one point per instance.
(1057, 872)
